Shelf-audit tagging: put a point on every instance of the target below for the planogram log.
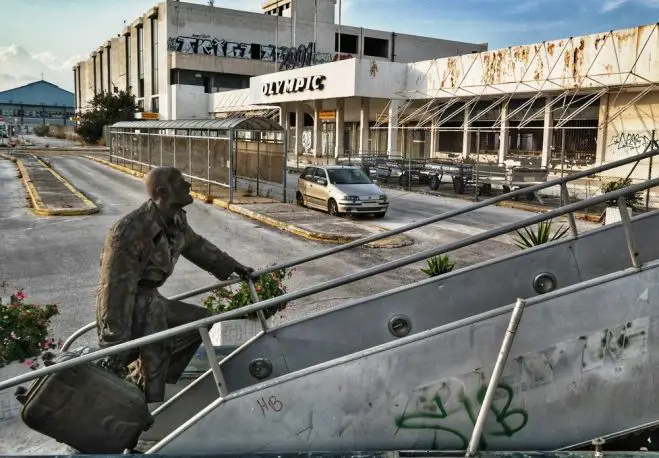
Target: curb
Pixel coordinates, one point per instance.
(203, 197)
(8, 158)
(396, 241)
(38, 207)
(538, 209)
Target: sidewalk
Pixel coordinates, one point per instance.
(310, 224)
(50, 194)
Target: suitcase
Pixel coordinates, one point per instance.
(86, 407)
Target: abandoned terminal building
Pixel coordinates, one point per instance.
(584, 100)
(178, 53)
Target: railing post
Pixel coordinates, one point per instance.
(629, 235)
(255, 299)
(212, 360)
(565, 200)
(496, 377)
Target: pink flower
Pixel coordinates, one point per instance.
(20, 295)
(29, 363)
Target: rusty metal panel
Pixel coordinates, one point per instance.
(624, 57)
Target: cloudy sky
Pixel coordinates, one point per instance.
(48, 36)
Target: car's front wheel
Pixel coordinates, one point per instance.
(333, 208)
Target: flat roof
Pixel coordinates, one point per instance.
(232, 123)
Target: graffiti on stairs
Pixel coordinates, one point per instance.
(449, 409)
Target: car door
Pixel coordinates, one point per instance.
(304, 182)
(319, 193)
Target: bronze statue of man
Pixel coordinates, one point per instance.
(139, 254)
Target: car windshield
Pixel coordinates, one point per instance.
(348, 176)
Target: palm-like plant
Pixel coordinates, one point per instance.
(438, 265)
(541, 235)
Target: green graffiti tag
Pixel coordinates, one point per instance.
(504, 417)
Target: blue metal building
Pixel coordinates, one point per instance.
(37, 103)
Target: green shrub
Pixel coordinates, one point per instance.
(41, 131)
(24, 330)
(632, 199)
(268, 286)
(438, 265)
(541, 235)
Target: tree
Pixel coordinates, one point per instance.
(106, 109)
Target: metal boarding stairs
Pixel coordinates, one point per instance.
(299, 387)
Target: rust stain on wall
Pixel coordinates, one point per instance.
(452, 73)
(493, 67)
(550, 49)
(599, 41)
(539, 64)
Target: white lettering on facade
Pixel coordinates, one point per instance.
(300, 84)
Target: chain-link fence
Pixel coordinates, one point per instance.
(223, 164)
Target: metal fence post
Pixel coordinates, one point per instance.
(231, 166)
(285, 138)
(161, 137)
(208, 166)
(258, 163)
(111, 144)
(148, 148)
(647, 191)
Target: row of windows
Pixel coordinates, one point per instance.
(212, 82)
(35, 113)
(373, 47)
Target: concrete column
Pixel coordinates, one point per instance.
(392, 129)
(547, 133)
(317, 129)
(466, 136)
(299, 124)
(340, 120)
(504, 137)
(434, 138)
(363, 127)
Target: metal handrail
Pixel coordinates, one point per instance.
(408, 227)
(350, 278)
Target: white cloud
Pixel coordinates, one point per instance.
(25, 68)
(611, 5)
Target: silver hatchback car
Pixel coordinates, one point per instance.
(340, 190)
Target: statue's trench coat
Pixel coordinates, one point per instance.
(138, 256)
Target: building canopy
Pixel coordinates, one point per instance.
(233, 123)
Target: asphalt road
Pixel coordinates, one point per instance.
(56, 259)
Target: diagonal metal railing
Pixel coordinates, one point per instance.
(203, 325)
(406, 228)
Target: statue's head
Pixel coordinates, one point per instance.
(168, 188)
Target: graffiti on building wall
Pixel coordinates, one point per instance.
(630, 143)
(288, 57)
